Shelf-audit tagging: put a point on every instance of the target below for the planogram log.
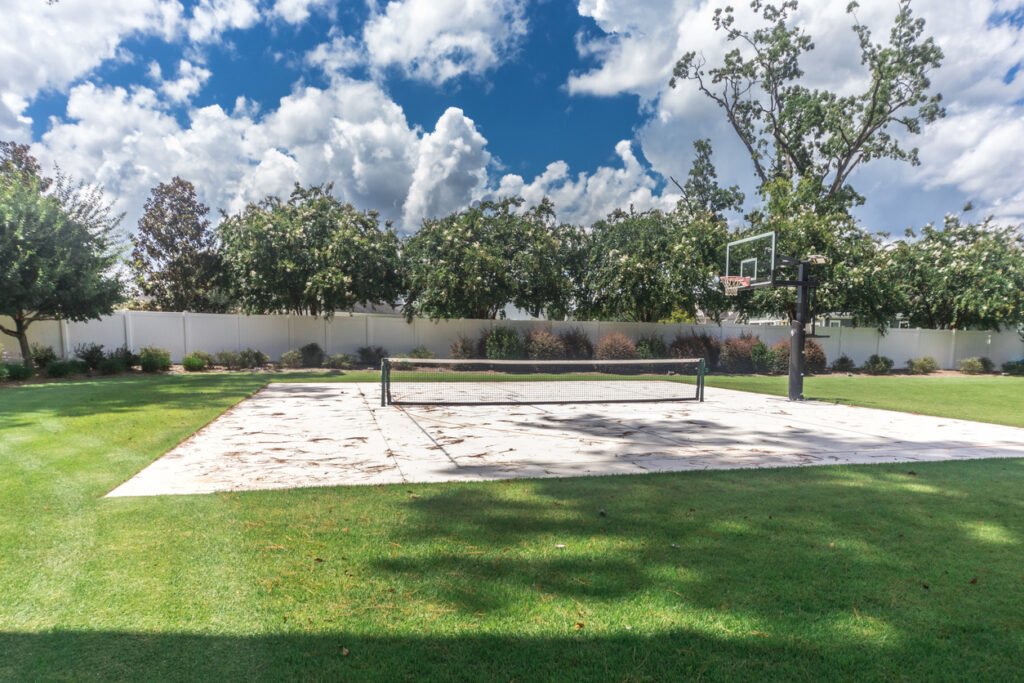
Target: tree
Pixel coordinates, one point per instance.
(473, 263)
(963, 276)
(648, 266)
(702, 194)
(55, 261)
(850, 281)
(311, 254)
(174, 260)
(797, 133)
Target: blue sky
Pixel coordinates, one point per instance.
(419, 107)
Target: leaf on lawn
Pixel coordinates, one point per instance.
(579, 625)
(925, 586)
(974, 580)
(560, 546)
(832, 544)
(318, 559)
(675, 545)
(344, 652)
(414, 495)
(912, 473)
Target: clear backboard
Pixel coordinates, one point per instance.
(751, 257)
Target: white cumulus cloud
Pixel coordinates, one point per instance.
(189, 81)
(297, 11)
(437, 40)
(212, 17)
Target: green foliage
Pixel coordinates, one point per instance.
(341, 361)
(229, 360)
(20, 371)
(1013, 367)
(762, 358)
(695, 345)
(112, 365)
(174, 261)
(253, 358)
(4, 372)
(651, 347)
(963, 276)
(58, 250)
(473, 263)
(615, 346)
(924, 366)
(57, 368)
(311, 254)
(371, 355)
(312, 355)
(976, 366)
(462, 348)
(193, 363)
(843, 364)
(651, 266)
(152, 359)
(421, 352)
(815, 361)
(577, 344)
(542, 345)
(91, 353)
(793, 132)
(128, 357)
(504, 343)
(291, 359)
(877, 365)
(735, 356)
(42, 355)
(208, 360)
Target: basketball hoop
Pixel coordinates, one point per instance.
(732, 283)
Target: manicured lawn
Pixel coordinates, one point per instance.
(873, 572)
(986, 398)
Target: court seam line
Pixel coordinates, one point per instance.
(391, 451)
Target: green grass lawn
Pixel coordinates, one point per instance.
(873, 572)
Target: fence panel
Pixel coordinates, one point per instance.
(108, 331)
(267, 333)
(211, 332)
(162, 330)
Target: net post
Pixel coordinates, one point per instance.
(383, 382)
(700, 381)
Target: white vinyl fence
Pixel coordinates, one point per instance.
(182, 333)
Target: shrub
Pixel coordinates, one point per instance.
(42, 355)
(1013, 367)
(542, 345)
(57, 368)
(4, 372)
(814, 358)
(421, 352)
(152, 359)
(372, 355)
(736, 353)
(208, 360)
(312, 355)
(701, 345)
(462, 348)
(253, 358)
(615, 346)
(926, 365)
(651, 347)
(112, 365)
(577, 344)
(291, 359)
(504, 343)
(91, 354)
(972, 366)
(230, 360)
(341, 361)
(762, 358)
(843, 364)
(877, 365)
(193, 363)
(20, 371)
(401, 365)
(128, 357)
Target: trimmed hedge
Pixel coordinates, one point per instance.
(577, 344)
(735, 356)
(462, 348)
(542, 345)
(152, 359)
(877, 365)
(18, 372)
(693, 345)
(504, 343)
(651, 347)
(815, 361)
(925, 365)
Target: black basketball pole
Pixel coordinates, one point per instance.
(797, 334)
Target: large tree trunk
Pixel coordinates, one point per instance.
(21, 328)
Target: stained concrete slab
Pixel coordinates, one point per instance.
(300, 435)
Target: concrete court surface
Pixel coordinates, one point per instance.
(298, 435)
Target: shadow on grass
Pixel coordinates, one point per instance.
(665, 656)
